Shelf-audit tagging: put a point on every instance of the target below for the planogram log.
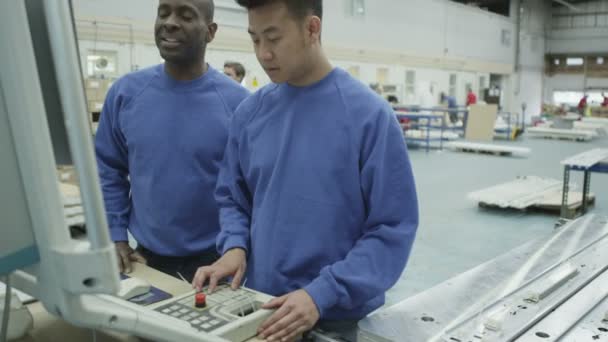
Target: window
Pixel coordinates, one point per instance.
(556, 61)
(453, 81)
(505, 37)
(354, 71)
(355, 8)
(567, 97)
(574, 61)
(573, 97)
(482, 86)
(382, 76)
(410, 83)
(102, 63)
(600, 60)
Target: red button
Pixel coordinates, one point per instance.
(200, 300)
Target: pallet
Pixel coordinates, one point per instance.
(549, 205)
(546, 137)
(494, 153)
(487, 149)
(560, 134)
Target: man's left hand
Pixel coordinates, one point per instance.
(296, 313)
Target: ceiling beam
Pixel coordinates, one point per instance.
(567, 4)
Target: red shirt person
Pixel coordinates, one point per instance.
(471, 98)
(582, 104)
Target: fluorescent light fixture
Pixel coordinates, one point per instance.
(574, 61)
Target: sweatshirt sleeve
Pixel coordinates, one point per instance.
(232, 194)
(379, 256)
(113, 167)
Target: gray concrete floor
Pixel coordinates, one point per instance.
(454, 233)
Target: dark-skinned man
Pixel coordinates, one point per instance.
(161, 138)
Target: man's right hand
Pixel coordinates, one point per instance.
(232, 263)
(126, 255)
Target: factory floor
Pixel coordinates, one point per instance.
(455, 234)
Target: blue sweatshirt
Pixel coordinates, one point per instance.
(159, 147)
(317, 187)
(451, 102)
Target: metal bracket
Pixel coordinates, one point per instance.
(80, 266)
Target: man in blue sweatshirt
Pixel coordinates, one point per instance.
(452, 106)
(159, 145)
(316, 194)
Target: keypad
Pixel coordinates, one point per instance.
(204, 319)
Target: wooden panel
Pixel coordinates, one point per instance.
(480, 123)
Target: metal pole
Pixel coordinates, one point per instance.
(586, 185)
(565, 189)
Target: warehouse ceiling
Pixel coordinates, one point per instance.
(496, 6)
(502, 6)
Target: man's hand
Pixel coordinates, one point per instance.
(232, 263)
(296, 314)
(126, 255)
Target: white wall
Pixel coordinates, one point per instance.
(425, 78)
(435, 38)
(432, 28)
(586, 32)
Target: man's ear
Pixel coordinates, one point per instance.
(212, 31)
(313, 28)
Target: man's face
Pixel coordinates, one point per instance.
(230, 72)
(279, 41)
(181, 30)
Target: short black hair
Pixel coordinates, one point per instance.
(392, 99)
(298, 8)
(208, 9)
(239, 69)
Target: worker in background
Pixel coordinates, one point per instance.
(235, 70)
(316, 194)
(471, 97)
(605, 101)
(392, 99)
(161, 138)
(452, 106)
(582, 105)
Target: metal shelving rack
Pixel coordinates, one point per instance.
(428, 115)
(427, 126)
